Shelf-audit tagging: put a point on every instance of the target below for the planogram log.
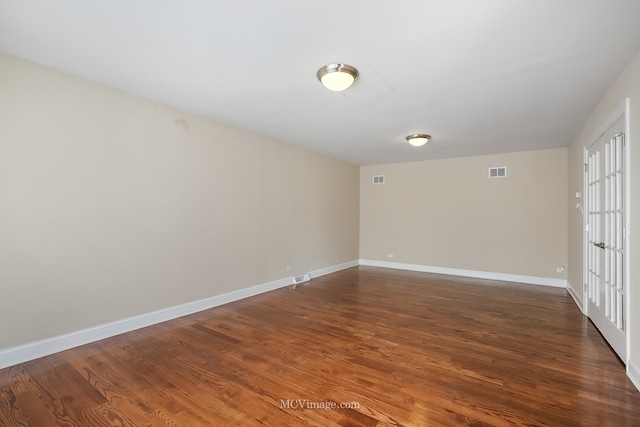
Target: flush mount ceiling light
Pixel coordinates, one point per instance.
(418, 139)
(337, 77)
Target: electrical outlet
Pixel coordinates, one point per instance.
(389, 255)
(561, 269)
(289, 267)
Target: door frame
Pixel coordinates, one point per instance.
(622, 109)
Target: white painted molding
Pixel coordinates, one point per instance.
(532, 280)
(634, 374)
(620, 110)
(33, 350)
(333, 269)
(576, 298)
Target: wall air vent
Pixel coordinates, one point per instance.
(499, 172)
(300, 279)
(378, 179)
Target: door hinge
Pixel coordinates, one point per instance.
(624, 232)
(586, 227)
(586, 167)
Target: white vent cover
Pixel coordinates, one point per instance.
(499, 172)
(378, 179)
(300, 279)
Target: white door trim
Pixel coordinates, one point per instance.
(622, 109)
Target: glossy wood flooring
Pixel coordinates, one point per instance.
(394, 348)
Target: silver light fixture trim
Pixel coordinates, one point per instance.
(337, 77)
(418, 139)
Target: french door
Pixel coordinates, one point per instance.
(606, 287)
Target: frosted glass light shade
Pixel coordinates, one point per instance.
(337, 77)
(418, 140)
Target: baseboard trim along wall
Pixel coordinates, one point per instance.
(576, 297)
(633, 372)
(23, 353)
(532, 280)
(332, 269)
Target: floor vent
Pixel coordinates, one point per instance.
(300, 279)
(378, 179)
(500, 172)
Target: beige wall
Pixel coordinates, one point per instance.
(113, 206)
(626, 86)
(448, 213)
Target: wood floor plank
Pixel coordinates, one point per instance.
(397, 348)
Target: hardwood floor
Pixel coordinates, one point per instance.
(396, 348)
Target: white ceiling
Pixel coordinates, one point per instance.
(481, 77)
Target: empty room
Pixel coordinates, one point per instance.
(352, 213)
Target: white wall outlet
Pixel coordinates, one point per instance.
(389, 255)
(561, 269)
(289, 267)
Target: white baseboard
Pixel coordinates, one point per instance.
(576, 297)
(33, 350)
(532, 280)
(633, 372)
(332, 269)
